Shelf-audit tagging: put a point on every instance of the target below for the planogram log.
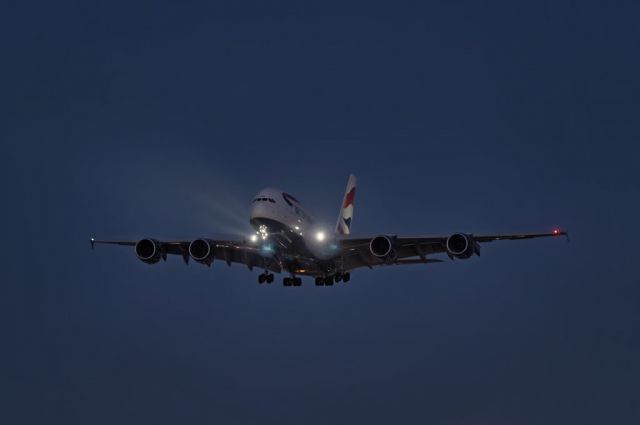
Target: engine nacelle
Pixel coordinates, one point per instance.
(462, 246)
(382, 247)
(202, 251)
(148, 251)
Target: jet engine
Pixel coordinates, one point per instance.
(460, 245)
(382, 247)
(148, 251)
(202, 251)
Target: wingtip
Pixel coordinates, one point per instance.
(92, 241)
(558, 232)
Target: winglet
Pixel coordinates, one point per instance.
(92, 241)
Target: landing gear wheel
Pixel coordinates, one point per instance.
(319, 281)
(262, 278)
(338, 277)
(346, 277)
(269, 278)
(287, 281)
(297, 281)
(328, 281)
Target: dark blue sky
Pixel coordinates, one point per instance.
(163, 119)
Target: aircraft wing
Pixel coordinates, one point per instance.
(356, 251)
(224, 250)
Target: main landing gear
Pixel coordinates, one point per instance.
(265, 277)
(296, 281)
(292, 281)
(328, 280)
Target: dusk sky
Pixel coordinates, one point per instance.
(163, 119)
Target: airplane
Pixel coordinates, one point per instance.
(288, 240)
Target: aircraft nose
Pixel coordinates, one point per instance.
(265, 204)
(260, 209)
(254, 210)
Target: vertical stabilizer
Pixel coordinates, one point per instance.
(343, 226)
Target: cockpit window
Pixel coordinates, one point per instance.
(264, 200)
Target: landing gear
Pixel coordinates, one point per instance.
(292, 281)
(329, 280)
(342, 277)
(265, 277)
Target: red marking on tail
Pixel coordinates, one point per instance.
(348, 199)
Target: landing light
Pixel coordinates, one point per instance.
(320, 236)
(254, 238)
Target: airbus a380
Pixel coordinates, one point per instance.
(288, 240)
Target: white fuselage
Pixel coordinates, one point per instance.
(279, 217)
(274, 211)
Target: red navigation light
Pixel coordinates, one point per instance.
(556, 231)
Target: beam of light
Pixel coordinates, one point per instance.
(201, 196)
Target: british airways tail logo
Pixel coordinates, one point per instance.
(295, 204)
(289, 199)
(349, 197)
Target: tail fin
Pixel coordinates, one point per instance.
(343, 226)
